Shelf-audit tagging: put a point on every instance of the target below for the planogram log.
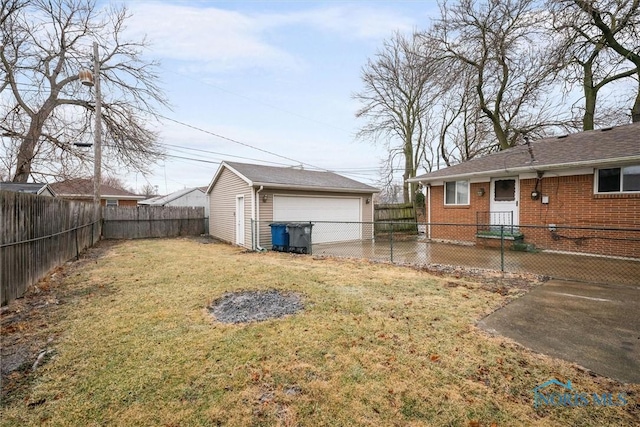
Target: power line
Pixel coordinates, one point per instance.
(254, 101)
(359, 173)
(240, 143)
(157, 153)
(362, 172)
(352, 171)
(222, 154)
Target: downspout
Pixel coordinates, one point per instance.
(428, 211)
(373, 220)
(261, 249)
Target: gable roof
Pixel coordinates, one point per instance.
(29, 187)
(150, 200)
(596, 148)
(81, 188)
(162, 200)
(288, 177)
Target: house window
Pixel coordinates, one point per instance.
(505, 190)
(111, 202)
(618, 180)
(456, 193)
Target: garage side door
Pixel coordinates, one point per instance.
(334, 209)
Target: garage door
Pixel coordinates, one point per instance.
(336, 210)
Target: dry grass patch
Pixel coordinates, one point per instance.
(374, 345)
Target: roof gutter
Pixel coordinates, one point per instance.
(530, 168)
(315, 188)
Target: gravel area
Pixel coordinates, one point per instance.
(255, 306)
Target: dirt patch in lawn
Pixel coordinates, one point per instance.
(490, 280)
(255, 306)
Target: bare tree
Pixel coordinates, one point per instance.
(589, 62)
(503, 43)
(613, 24)
(149, 190)
(464, 131)
(393, 102)
(115, 182)
(46, 110)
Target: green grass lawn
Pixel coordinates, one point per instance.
(376, 345)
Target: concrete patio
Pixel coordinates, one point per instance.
(600, 326)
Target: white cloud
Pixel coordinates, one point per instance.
(204, 35)
(218, 39)
(351, 21)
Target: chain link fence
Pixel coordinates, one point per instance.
(600, 255)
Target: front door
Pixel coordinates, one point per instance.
(240, 220)
(505, 195)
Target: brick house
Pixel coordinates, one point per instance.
(555, 193)
(82, 189)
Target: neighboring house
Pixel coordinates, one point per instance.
(82, 189)
(31, 188)
(587, 179)
(241, 194)
(187, 197)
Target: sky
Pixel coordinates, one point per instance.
(275, 75)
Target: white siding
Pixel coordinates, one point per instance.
(266, 210)
(193, 198)
(223, 207)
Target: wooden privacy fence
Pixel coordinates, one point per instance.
(38, 233)
(399, 218)
(152, 221)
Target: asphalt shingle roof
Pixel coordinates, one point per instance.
(29, 187)
(299, 178)
(84, 187)
(592, 148)
(162, 200)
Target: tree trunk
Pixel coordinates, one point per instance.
(28, 148)
(29, 143)
(590, 96)
(500, 134)
(408, 168)
(609, 36)
(635, 111)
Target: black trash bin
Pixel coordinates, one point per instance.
(299, 237)
(279, 237)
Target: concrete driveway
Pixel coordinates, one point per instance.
(596, 326)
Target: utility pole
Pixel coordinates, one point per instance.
(97, 144)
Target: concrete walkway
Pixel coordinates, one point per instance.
(596, 326)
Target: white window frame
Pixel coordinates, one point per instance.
(456, 193)
(110, 202)
(596, 181)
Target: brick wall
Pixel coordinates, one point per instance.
(441, 214)
(121, 202)
(572, 203)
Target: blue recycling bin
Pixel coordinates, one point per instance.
(279, 237)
